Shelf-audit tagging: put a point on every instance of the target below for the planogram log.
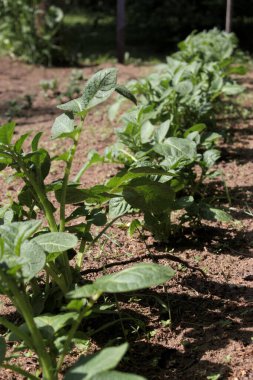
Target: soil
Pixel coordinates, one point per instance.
(200, 326)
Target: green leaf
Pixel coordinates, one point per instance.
(75, 106)
(34, 259)
(56, 322)
(184, 87)
(87, 367)
(147, 130)
(116, 375)
(35, 141)
(14, 234)
(118, 206)
(6, 133)
(210, 157)
(99, 87)
(19, 143)
(122, 90)
(62, 126)
(209, 213)
(96, 194)
(147, 195)
(2, 349)
(134, 225)
(56, 241)
(139, 276)
(176, 147)
(162, 131)
(86, 291)
(195, 128)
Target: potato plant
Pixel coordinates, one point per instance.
(36, 271)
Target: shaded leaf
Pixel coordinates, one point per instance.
(87, 367)
(122, 90)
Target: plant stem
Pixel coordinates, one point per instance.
(40, 194)
(65, 181)
(19, 299)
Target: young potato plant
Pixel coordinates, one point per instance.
(35, 253)
(33, 168)
(23, 255)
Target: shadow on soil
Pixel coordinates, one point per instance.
(208, 319)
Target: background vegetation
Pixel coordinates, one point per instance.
(87, 31)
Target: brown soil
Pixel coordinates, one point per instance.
(206, 325)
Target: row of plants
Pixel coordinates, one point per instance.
(162, 141)
(173, 137)
(36, 249)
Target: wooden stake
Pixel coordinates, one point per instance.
(120, 30)
(229, 16)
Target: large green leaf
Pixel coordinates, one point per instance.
(56, 241)
(147, 195)
(63, 126)
(55, 322)
(118, 206)
(99, 87)
(96, 194)
(176, 147)
(139, 276)
(14, 234)
(34, 259)
(88, 367)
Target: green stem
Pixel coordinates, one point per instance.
(65, 183)
(19, 370)
(80, 255)
(128, 154)
(46, 205)
(19, 299)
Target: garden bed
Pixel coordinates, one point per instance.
(201, 324)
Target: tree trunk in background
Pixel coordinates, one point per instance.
(120, 30)
(229, 16)
(40, 17)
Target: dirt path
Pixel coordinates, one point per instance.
(201, 325)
